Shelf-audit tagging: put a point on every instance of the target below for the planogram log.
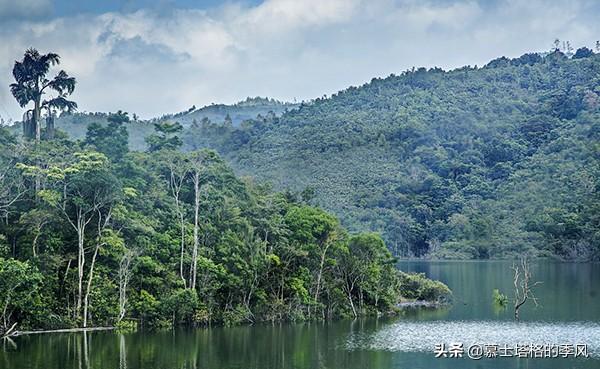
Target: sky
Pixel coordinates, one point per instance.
(153, 57)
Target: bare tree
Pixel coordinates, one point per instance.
(178, 173)
(198, 162)
(569, 50)
(80, 219)
(103, 222)
(523, 285)
(125, 268)
(194, 266)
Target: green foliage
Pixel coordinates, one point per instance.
(166, 137)
(470, 163)
(126, 326)
(181, 305)
(19, 293)
(125, 231)
(111, 140)
(417, 287)
(499, 299)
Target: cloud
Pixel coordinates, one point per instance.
(11, 10)
(151, 62)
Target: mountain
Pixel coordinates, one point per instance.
(237, 113)
(469, 163)
(474, 162)
(76, 124)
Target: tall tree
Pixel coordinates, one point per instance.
(83, 191)
(31, 85)
(198, 162)
(178, 171)
(166, 137)
(111, 140)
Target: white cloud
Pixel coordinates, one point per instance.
(151, 63)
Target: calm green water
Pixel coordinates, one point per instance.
(569, 314)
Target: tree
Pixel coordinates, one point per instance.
(12, 187)
(316, 232)
(178, 171)
(31, 85)
(523, 285)
(583, 52)
(363, 267)
(111, 140)
(19, 292)
(166, 137)
(198, 161)
(125, 271)
(83, 191)
(36, 219)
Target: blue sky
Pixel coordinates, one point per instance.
(152, 57)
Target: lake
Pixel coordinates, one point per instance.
(568, 314)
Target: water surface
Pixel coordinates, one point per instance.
(569, 313)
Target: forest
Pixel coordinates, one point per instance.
(93, 234)
(474, 163)
(484, 162)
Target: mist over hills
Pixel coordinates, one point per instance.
(75, 124)
(469, 163)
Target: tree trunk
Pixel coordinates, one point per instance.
(89, 286)
(176, 182)
(34, 243)
(124, 276)
(319, 275)
(37, 120)
(182, 223)
(352, 305)
(80, 261)
(196, 229)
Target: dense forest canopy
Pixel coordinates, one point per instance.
(470, 163)
(167, 237)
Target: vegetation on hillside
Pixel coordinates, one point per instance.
(475, 162)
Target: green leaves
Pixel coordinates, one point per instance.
(166, 137)
(31, 84)
(19, 291)
(51, 197)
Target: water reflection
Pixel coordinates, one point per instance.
(569, 295)
(262, 346)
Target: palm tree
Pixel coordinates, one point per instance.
(31, 85)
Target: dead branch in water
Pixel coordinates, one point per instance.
(9, 332)
(69, 330)
(523, 285)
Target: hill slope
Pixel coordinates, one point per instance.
(76, 124)
(467, 163)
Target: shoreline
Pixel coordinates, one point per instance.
(65, 330)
